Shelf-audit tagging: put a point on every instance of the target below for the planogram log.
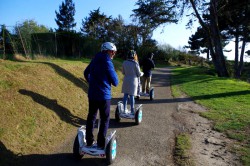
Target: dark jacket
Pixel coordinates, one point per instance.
(100, 74)
(147, 65)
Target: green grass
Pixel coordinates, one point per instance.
(1, 132)
(182, 148)
(12, 67)
(227, 99)
(4, 84)
(41, 102)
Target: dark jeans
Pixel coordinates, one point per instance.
(104, 109)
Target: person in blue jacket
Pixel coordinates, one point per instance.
(100, 74)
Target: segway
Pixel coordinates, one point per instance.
(151, 94)
(121, 113)
(80, 147)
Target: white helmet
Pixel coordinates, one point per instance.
(108, 46)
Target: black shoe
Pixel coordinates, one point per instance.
(90, 145)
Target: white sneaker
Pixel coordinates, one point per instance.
(126, 111)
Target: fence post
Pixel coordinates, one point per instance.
(55, 44)
(4, 57)
(22, 42)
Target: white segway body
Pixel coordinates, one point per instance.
(80, 146)
(121, 113)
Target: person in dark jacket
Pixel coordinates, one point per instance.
(147, 66)
(100, 74)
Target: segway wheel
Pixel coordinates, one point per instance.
(76, 147)
(137, 98)
(111, 150)
(117, 115)
(151, 94)
(138, 116)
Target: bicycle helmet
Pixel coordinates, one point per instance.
(108, 46)
(131, 54)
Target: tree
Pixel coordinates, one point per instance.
(125, 36)
(153, 13)
(237, 15)
(198, 42)
(175, 9)
(233, 22)
(65, 16)
(96, 25)
(5, 42)
(24, 31)
(211, 27)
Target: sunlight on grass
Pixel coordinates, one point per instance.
(1, 132)
(227, 99)
(27, 127)
(5, 84)
(46, 97)
(13, 67)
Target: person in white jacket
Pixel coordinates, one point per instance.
(132, 73)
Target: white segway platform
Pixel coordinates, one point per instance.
(121, 113)
(80, 146)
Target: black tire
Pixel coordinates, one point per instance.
(151, 94)
(111, 150)
(76, 147)
(117, 115)
(137, 98)
(138, 116)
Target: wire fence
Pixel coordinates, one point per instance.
(56, 44)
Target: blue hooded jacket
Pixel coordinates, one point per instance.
(100, 74)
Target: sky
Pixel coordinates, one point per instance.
(43, 12)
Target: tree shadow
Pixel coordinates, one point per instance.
(146, 100)
(8, 158)
(188, 99)
(62, 112)
(221, 95)
(79, 82)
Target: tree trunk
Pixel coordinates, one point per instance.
(216, 40)
(236, 58)
(208, 52)
(241, 64)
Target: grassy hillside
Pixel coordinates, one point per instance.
(41, 102)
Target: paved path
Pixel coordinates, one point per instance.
(150, 143)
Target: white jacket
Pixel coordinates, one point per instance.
(132, 74)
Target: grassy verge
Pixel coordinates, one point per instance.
(41, 103)
(227, 99)
(182, 148)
